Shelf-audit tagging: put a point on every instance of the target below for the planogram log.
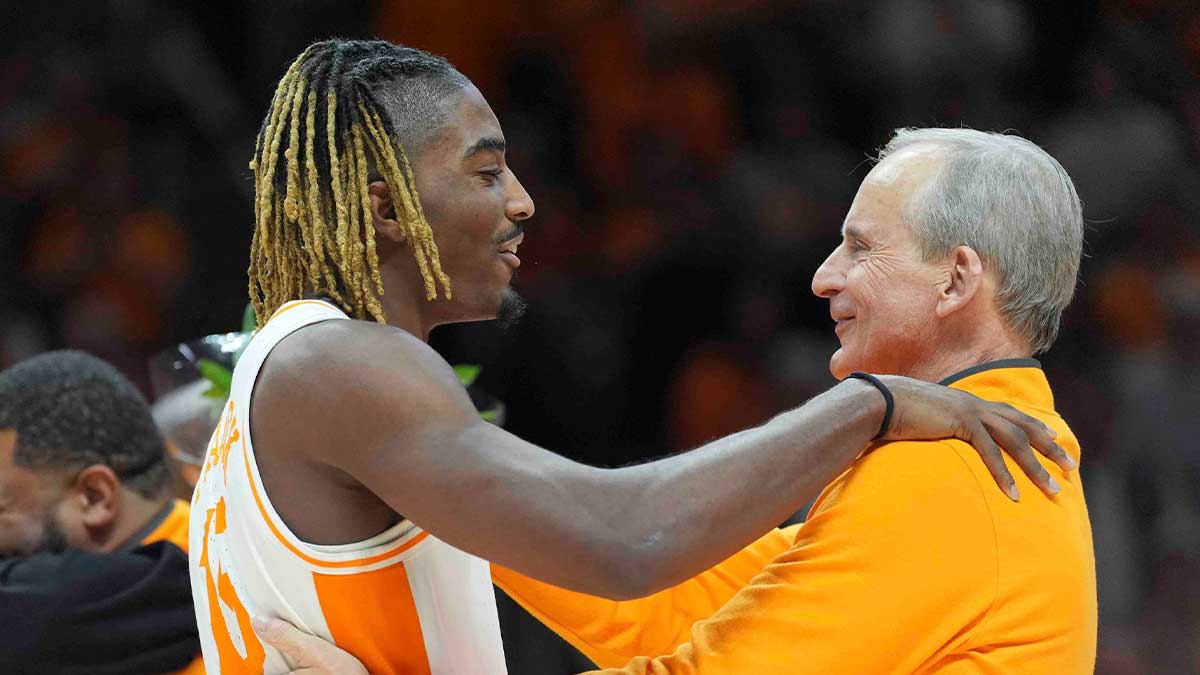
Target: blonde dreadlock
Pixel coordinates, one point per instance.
(313, 226)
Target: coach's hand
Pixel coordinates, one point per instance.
(925, 411)
(310, 654)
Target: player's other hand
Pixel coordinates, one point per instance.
(310, 655)
(927, 411)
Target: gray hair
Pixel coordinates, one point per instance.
(1014, 204)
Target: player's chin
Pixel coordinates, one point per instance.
(510, 308)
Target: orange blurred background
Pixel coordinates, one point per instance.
(691, 164)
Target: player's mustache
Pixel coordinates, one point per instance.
(508, 235)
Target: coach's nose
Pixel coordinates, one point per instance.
(830, 277)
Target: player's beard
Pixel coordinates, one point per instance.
(512, 308)
(53, 538)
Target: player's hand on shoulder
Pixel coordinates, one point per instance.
(926, 411)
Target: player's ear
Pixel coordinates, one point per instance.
(96, 496)
(383, 212)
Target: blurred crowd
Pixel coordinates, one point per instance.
(691, 162)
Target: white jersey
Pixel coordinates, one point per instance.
(402, 601)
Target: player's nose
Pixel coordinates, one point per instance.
(519, 205)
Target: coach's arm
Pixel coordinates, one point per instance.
(895, 566)
(408, 432)
(611, 632)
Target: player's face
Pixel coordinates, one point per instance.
(474, 204)
(28, 521)
(881, 294)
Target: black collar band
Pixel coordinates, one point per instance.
(136, 540)
(992, 365)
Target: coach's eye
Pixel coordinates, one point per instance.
(491, 175)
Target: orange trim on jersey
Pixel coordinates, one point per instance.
(294, 304)
(229, 660)
(359, 562)
(373, 615)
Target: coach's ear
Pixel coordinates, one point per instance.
(96, 493)
(383, 212)
(962, 278)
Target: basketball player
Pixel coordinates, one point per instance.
(351, 488)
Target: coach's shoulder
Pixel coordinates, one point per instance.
(909, 478)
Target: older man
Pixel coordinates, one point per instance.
(958, 257)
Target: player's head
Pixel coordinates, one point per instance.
(955, 237)
(77, 445)
(381, 168)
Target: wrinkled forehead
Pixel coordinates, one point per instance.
(907, 169)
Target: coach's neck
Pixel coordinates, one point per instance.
(967, 340)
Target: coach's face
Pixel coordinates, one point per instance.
(881, 294)
(29, 520)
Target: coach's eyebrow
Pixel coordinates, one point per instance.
(485, 143)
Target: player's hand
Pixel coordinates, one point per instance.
(310, 654)
(928, 411)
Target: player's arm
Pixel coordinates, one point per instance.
(878, 579)
(407, 431)
(611, 632)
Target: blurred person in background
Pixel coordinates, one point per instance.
(959, 255)
(191, 385)
(356, 502)
(82, 469)
(185, 417)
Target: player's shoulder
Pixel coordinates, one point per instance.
(351, 351)
(345, 338)
(356, 367)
